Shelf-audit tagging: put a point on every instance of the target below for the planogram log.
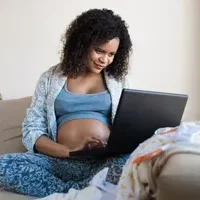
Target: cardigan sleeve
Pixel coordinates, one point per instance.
(125, 83)
(35, 121)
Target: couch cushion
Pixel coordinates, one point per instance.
(12, 113)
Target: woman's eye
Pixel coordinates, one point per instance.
(98, 50)
(111, 54)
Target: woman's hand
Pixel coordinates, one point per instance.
(94, 142)
(90, 143)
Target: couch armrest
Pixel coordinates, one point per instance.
(12, 113)
(180, 178)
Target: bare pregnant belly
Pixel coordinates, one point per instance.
(73, 132)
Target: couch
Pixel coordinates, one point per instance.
(179, 178)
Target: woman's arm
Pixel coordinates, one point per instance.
(35, 134)
(49, 147)
(35, 121)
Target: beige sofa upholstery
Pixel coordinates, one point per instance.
(12, 113)
(179, 179)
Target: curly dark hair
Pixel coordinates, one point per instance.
(91, 28)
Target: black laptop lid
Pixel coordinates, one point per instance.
(140, 113)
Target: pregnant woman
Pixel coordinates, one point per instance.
(73, 107)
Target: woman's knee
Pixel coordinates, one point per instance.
(10, 164)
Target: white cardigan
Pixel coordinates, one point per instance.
(40, 117)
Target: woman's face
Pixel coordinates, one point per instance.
(100, 57)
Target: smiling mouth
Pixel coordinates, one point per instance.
(99, 66)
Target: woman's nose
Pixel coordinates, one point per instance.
(103, 59)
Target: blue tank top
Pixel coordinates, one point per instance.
(70, 106)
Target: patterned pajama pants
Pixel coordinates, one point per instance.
(40, 175)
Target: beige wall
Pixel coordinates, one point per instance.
(165, 34)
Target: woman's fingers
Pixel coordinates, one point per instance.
(97, 140)
(94, 142)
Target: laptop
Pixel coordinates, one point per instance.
(139, 114)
